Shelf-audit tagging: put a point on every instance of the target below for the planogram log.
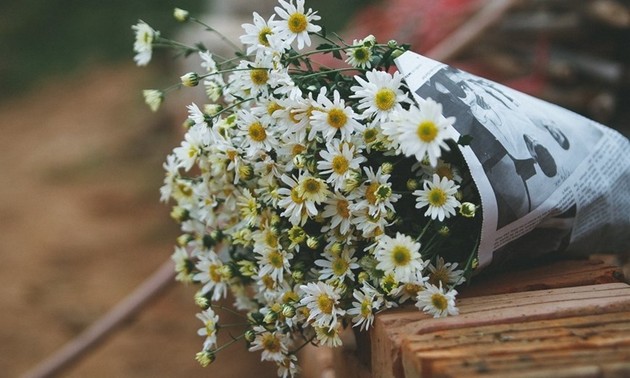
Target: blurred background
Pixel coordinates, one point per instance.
(80, 220)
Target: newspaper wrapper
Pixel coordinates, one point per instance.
(549, 179)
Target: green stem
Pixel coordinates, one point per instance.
(330, 71)
(221, 35)
(303, 345)
(227, 309)
(233, 106)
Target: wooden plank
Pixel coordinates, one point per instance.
(593, 294)
(391, 328)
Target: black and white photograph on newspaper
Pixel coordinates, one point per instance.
(541, 170)
(518, 139)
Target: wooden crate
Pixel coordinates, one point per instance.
(566, 319)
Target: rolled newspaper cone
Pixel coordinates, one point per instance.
(550, 180)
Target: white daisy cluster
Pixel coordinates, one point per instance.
(316, 196)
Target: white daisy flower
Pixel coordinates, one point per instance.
(288, 367)
(369, 225)
(256, 35)
(210, 321)
(274, 345)
(376, 193)
(442, 169)
(338, 162)
(295, 23)
(399, 256)
(337, 208)
(333, 116)
(322, 301)
(410, 289)
(439, 195)
(434, 301)
(287, 115)
(211, 276)
(328, 337)
(171, 173)
(153, 98)
(379, 96)
(248, 207)
(367, 301)
(337, 266)
(198, 116)
(294, 205)
(360, 55)
(424, 131)
(275, 263)
(257, 136)
(143, 46)
(183, 265)
(313, 191)
(193, 146)
(251, 79)
(446, 274)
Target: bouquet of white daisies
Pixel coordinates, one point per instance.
(315, 194)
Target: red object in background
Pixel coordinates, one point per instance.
(425, 23)
(422, 23)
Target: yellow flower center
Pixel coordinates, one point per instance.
(271, 343)
(298, 149)
(290, 296)
(437, 197)
(325, 303)
(370, 193)
(231, 154)
(440, 275)
(311, 186)
(342, 208)
(427, 131)
(361, 54)
(366, 308)
(272, 107)
(369, 135)
(263, 34)
(215, 273)
(444, 171)
(210, 328)
(439, 301)
(401, 255)
(268, 281)
(295, 196)
(293, 118)
(257, 132)
(412, 289)
(193, 151)
(340, 164)
(385, 99)
(275, 259)
(337, 118)
(297, 23)
(259, 76)
(271, 239)
(339, 266)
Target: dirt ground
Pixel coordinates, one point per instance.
(81, 227)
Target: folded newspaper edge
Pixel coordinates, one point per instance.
(550, 180)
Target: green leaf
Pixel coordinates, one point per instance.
(464, 140)
(324, 46)
(337, 54)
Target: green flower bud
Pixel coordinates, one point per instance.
(205, 357)
(468, 209)
(250, 335)
(190, 79)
